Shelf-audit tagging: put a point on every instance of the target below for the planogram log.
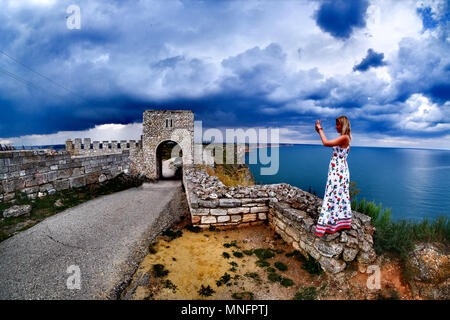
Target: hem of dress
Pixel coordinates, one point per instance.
(318, 233)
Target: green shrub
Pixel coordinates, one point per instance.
(231, 244)
(263, 254)
(399, 237)
(193, 228)
(172, 234)
(206, 291)
(159, 271)
(262, 263)
(274, 277)
(309, 293)
(169, 285)
(223, 279)
(281, 266)
(237, 254)
(285, 282)
(226, 255)
(243, 295)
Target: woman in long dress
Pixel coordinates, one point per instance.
(336, 212)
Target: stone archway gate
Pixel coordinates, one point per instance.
(166, 125)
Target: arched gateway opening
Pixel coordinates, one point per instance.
(169, 160)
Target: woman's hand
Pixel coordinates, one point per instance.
(318, 125)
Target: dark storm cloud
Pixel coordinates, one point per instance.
(340, 17)
(371, 60)
(169, 54)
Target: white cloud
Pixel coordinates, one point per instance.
(106, 132)
(420, 114)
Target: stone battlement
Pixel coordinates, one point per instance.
(83, 147)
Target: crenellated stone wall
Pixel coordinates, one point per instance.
(86, 147)
(42, 172)
(290, 211)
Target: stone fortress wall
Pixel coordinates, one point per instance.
(42, 172)
(290, 211)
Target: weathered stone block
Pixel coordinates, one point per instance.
(367, 257)
(223, 218)
(352, 242)
(218, 212)
(200, 212)
(196, 219)
(238, 210)
(65, 173)
(262, 216)
(349, 254)
(236, 218)
(77, 182)
(229, 202)
(92, 178)
(259, 209)
(292, 233)
(332, 265)
(62, 184)
(209, 219)
(249, 217)
(279, 223)
(328, 249)
(17, 211)
(52, 176)
(102, 178)
(208, 203)
(365, 246)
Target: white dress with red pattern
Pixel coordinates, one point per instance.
(336, 211)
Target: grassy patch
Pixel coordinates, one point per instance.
(158, 271)
(206, 291)
(246, 295)
(311, 265)
(264, 253)
(223, 279)
(231, 244)
(170, 285)
(281, 266)
(309, 293)
(237, 254)
(286, 282)
(262, 263)
(274, 277)
(399, 237)
(172, 234)
(193, 228)
(254, 276)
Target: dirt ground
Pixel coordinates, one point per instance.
(197, 258)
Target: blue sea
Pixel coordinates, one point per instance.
(414, 183)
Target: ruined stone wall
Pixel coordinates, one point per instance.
(290, 211)
(42, 172)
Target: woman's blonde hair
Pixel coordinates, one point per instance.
(345, 124)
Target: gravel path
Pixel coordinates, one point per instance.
(105, 238)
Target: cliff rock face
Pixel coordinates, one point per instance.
(430, 267)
